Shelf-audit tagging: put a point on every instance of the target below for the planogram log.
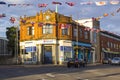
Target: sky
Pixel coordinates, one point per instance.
(78, 11)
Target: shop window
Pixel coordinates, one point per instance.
(30, 30)
(67, 55)
(47, 29)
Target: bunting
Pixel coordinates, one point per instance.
(56, 3)
(100, 3)
(114, 2)
(32, 23)
(64, 26)
(40, 24)
(2, 15)
(2, 3)
(9, 5)
(70, 3)
(86, 3)
(12, 19)
(42, 5)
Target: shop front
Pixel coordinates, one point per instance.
(82, 51)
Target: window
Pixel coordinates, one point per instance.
(65, 31)
(94, 37)
(47, 29)
(111, 45)
(75, 32)
(30, 30)
(86, 35)
(80, 33)
(108, 44)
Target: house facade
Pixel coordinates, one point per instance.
(52, 38)
(93, 25)
(109, 45)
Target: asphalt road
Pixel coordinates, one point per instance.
(52, 72)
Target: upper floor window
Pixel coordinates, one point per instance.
(108, 44)
(30, 30)
(65, 31)
(111, 44)
(81, 33)
(86, 34)
(47, 29)
(94, 37)
(75, 32)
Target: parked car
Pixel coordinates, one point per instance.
(115, 60)
(106, 61)
(75, 63)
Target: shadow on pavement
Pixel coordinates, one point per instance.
(10, 71)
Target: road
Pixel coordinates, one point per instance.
(53, 72)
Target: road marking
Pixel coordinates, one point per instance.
(50, 75)
(78, 78)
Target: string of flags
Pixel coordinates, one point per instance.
(61, 26)
(97, 3)
(2, 15)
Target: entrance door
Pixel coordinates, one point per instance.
(47, 54)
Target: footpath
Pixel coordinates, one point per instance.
(43, 65)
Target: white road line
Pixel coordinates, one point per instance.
(50, 75)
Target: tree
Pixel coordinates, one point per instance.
(11, 36)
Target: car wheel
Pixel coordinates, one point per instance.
(68, 65)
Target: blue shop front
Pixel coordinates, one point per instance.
(82, 51)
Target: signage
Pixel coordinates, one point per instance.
(66, 48)
(30, 49)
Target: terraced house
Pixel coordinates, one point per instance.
(109, 45)
(52, 38)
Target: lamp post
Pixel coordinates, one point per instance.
(12, 20)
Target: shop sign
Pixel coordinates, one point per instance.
(66, 48)
(48, 41)
(30, 49)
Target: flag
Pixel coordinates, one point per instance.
(57, 3)
(114, 2)
(32, 23)
(70, 3)
(42, 5)
(86, 3)
(63, 26)
(112, 13)
(2, 15)
(118, 10)
(12, 19)
(1, 2)
(11, 5)
(40, 24)
(100, 3)
(105, 14)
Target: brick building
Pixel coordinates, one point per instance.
(109, 45)
(52, 38)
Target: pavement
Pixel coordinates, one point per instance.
(44, 65)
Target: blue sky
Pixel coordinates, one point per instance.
(78, 11)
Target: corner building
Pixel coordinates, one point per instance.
(52, 38)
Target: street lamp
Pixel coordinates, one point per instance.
(12, 20)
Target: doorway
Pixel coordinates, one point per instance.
(47, 54)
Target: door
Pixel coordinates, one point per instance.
(48, 54)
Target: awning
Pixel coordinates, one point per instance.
(111, 52)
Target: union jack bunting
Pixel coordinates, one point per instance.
(12, 19)
(56, 3)
(70, 3)
(42, 5)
